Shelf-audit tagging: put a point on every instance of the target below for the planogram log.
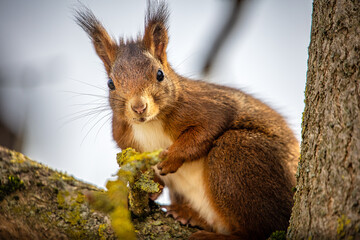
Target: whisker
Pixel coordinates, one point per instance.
(94, 126)
(90, 119)
(86, 114)
(80, 112)
(86, 94)
(91, 85)
(79, 94)
(102, 126)
(87, 104)
(184, 60)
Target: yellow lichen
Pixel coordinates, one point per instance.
(146, 183)
(80, 198)
(101, 230)
(17, 157)
(61, 200)
(133, 184)
(62, 176)
(343, 221)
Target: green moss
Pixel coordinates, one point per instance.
(278, 235)
(12, 185)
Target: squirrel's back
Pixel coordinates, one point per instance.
(231, 108)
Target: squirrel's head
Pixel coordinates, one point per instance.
(141, 83)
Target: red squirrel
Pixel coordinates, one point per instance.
(229, 159)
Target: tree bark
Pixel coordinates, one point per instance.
(328, 178)
(37, 202)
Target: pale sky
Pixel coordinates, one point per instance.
(47, 60)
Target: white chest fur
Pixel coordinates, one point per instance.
(188, 181)
(151, 136)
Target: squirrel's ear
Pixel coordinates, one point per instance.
(105, 46)
(156, 37)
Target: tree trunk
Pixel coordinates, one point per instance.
(328, 179)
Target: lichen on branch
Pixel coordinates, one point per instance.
(129, 192)
(40, 203)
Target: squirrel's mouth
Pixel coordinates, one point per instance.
(140, 119)
(143, 119)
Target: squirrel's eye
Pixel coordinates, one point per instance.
(111, 84)
(160, 75)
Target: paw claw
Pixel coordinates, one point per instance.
(186, 216)
(163, 154)
(179, 212)
(169, 166)
(182, 220)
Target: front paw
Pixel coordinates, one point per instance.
(169, 166)
(164, 154)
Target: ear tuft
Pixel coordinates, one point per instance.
(105, 46)
(156, 30)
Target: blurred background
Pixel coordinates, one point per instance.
(53, 87)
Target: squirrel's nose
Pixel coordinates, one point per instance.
(139, 108)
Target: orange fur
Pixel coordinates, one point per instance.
(228, 157)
